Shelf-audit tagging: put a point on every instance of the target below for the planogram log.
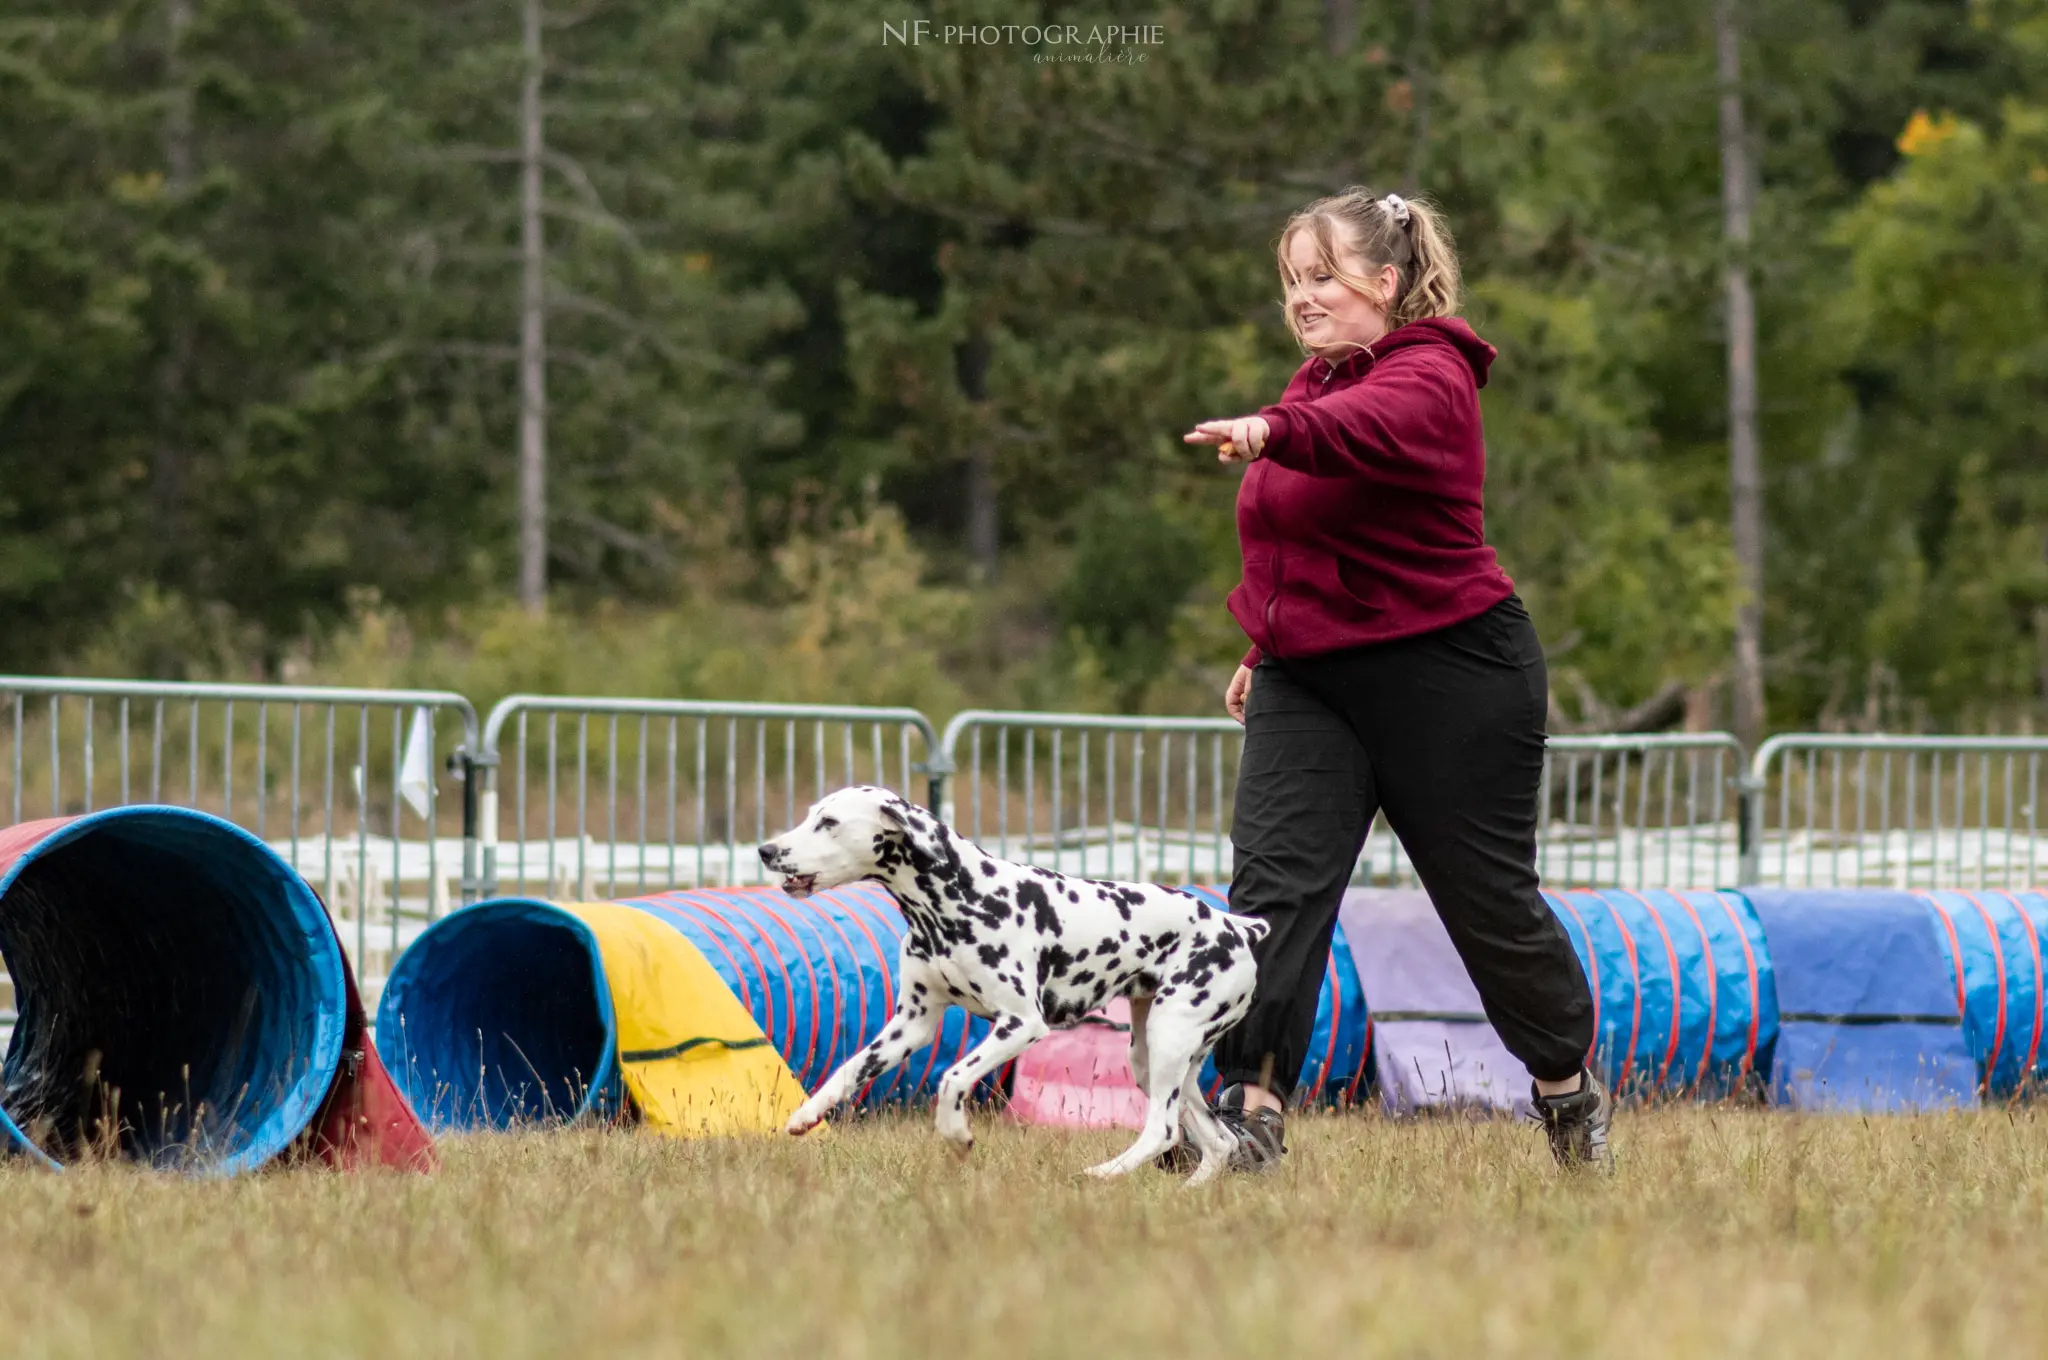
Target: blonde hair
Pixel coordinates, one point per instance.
(1409, 234)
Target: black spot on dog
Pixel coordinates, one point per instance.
(1053, 961)
(1060, 1011)
(1201, 964)
(993, 954)
(1032, 898)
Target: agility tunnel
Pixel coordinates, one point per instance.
(1993, 939)
(182, 1000)
(1684, 1002)
(1811, 999)
(702, 1011)
(1907, 1000)
(1432, 1047)
(1081, 1077)
(1868, 1018)
(1852, 999)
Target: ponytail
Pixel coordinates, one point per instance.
(1409, 234)
(1430, 282)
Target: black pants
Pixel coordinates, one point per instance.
(1445, 733)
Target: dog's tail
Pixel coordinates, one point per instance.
(1254, 928)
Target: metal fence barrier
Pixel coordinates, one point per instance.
(1150, 798)
(1100, 796)
(592, 797)
(1903, 812)
(703, 785)
(1640, 810)
(344, 783)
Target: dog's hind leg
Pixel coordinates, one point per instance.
(1202, 1128)
(1173, 1041)
(1010, 1035)
(1141, 1008)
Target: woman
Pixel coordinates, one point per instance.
(1392, 667)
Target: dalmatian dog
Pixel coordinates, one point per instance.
(1031, 950)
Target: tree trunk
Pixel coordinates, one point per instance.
(1420, 77)
(2041, 639)
(533, 394)
(169, 456)
(972, 360)
(2041, 645)
(1744, 457)
(1340, 25)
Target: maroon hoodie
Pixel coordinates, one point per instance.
(1360, 521)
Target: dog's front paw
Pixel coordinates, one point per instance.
(958, 1134)
(803, 1121)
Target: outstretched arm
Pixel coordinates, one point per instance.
(1391, 428)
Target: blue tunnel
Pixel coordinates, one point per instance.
(500, 1015)
(178, 988)
(1685, 999)
(1994, 955)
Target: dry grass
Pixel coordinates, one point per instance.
(1726, 1233)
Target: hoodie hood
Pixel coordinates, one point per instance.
(1432, 330)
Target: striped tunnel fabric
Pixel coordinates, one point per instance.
(819, 975)
(1993, 939)
(1683, 995)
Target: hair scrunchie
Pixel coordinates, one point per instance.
(1397, 208)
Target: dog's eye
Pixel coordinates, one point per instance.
(827, 823)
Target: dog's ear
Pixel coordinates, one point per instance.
(920, 830)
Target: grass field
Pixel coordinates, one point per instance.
(1726, 1233)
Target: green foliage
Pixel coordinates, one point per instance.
(1133, 566)
(259, 309)
(1947, 308)
(855, 622)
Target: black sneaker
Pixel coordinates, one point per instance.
(1258, 1137)
(1576, 1124)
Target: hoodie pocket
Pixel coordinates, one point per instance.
(1364, 588)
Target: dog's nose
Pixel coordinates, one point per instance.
(769, 852)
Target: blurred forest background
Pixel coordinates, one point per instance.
(867, 363)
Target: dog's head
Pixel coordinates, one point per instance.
(853, 834)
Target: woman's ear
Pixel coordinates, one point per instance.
(1390, 287)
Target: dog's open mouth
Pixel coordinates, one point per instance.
(800, 885)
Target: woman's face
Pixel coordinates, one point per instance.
(1334, 318)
